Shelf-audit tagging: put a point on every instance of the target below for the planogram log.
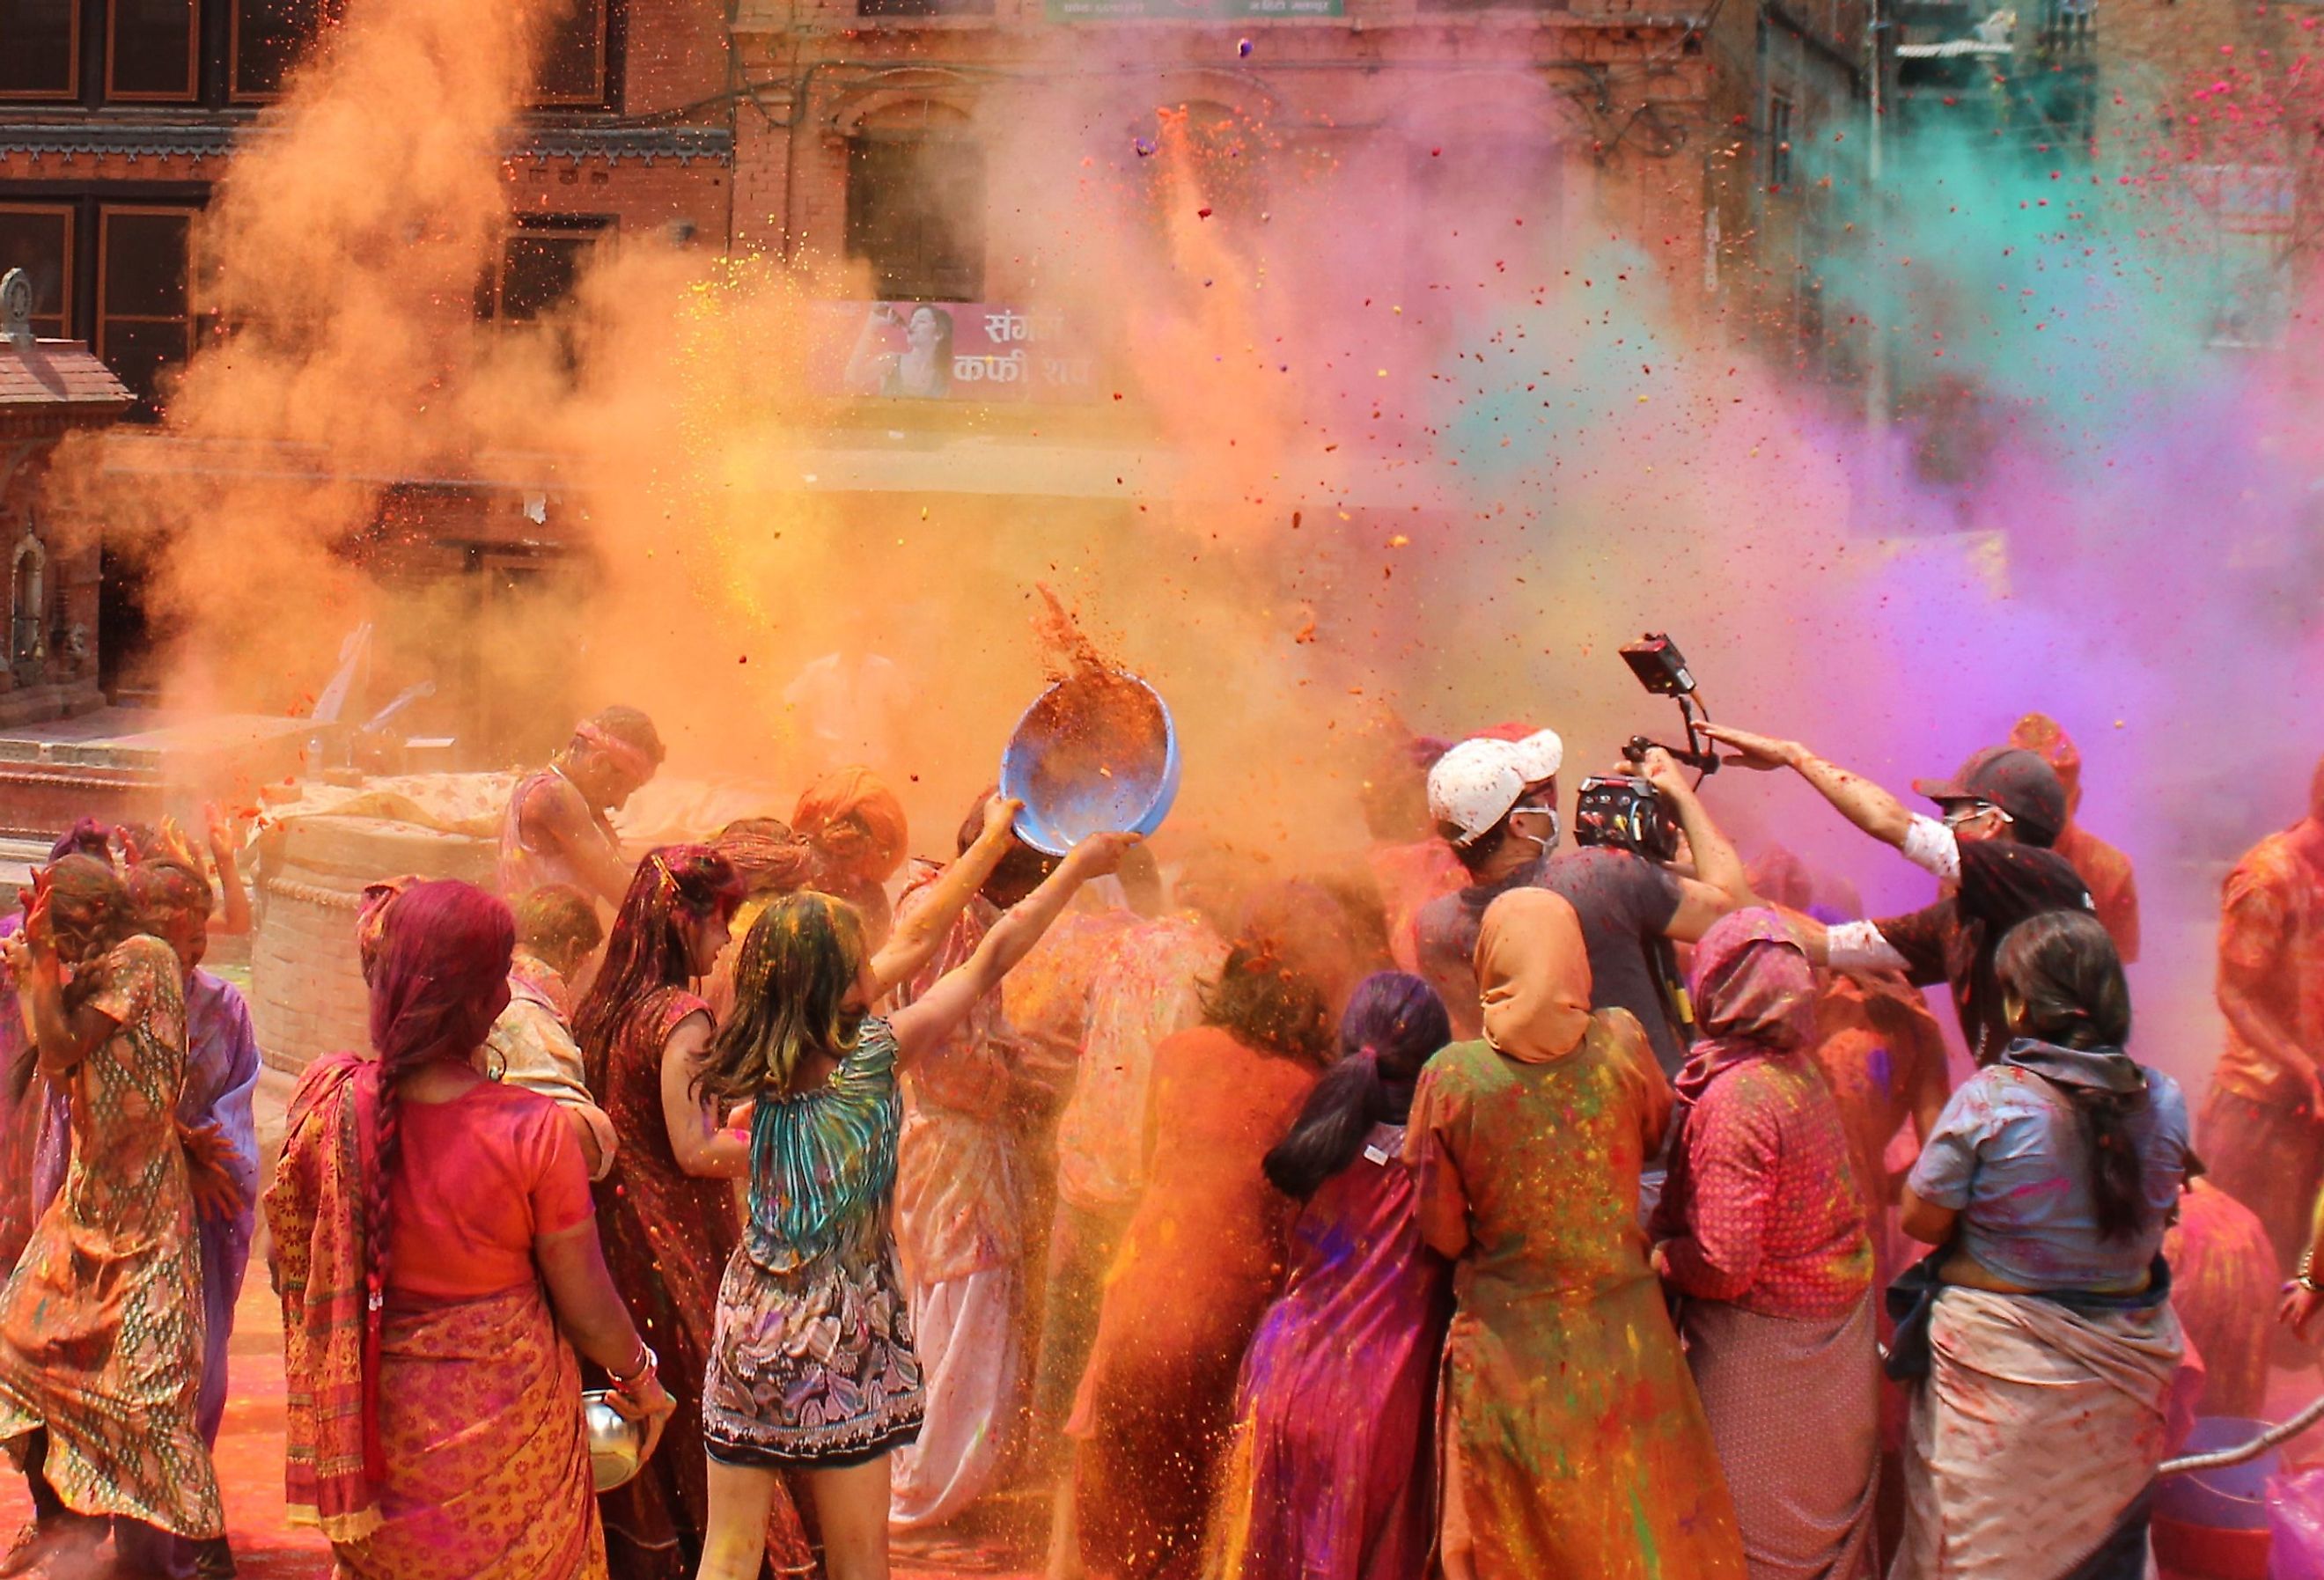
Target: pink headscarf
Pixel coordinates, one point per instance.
(1754, 996)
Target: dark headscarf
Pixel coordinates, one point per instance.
(2002, 883)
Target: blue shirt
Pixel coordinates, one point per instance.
(2008, 1156)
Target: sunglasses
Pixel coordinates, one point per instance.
(1962, 812)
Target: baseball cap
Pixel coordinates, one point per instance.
(2047, 739)
(1539, 755)
(2013, 779)
(1473, 786)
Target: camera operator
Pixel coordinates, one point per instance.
(2000, 814)
(1495, 803)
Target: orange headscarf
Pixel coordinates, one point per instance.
(1533, 973)
(2046, 738)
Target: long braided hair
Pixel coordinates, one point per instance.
(439, 976)
(675, 887)
(2068, 982)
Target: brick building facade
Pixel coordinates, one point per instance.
(116, 121)
(953, 153)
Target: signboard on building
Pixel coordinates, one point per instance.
(951, 351)
(1187, 10)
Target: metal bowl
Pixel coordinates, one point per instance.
(617, 1444)
(1095, 752)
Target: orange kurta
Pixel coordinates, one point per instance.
(1197, 1268)
(2107, 873)
(1574, 1442)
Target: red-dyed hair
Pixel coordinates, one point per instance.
(855, 824)
(675, 885)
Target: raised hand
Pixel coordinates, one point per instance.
(1000, 814)
(40, 933)
(1101, 854)
(1754, 750)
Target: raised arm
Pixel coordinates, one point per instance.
(918, 936)
(558, 811)
(64, 1039)
(947, 1004)
(866, 363)
(1720, 883)
(1858, 799)
(234, 915)
(704, 1147)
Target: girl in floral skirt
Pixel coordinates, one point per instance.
(812, 1367)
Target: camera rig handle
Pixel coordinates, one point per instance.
(1699, 753)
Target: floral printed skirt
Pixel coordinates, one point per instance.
(813, 1366)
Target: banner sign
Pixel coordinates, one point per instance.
(950, 351)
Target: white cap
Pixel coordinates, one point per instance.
(1473, 786)
(1540, 755)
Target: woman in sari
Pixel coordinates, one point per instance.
(1328, 1477)
(813, 1369)
(439, 1265)
(1570, 1438)
(2051, 1344)
(101, 1325)
(1760, 1229)
(1202, 1258)
(666, 1210)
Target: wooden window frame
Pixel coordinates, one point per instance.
(70, 214)
(1779, 140)
(100, 317)
(236, 94)
(918, 140)
(593, 228)
(72, 95)
(194, 53)
(604, 98)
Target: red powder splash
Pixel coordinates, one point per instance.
(1066, 650)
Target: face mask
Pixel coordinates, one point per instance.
(1548, 844)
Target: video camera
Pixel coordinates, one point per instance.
(1625, 812)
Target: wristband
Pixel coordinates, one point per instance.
(2305, 1277)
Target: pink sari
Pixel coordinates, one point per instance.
(453, 1449)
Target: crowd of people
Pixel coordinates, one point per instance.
(1479, 1206)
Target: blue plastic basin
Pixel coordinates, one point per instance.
(2233, 1498)
(1096, 753)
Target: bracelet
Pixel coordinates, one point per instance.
(648, 1363)
(2305, 1277)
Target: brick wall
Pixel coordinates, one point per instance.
(639, 197)
(674, 58)
(1359, 93)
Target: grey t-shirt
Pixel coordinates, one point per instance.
(1625, 901)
